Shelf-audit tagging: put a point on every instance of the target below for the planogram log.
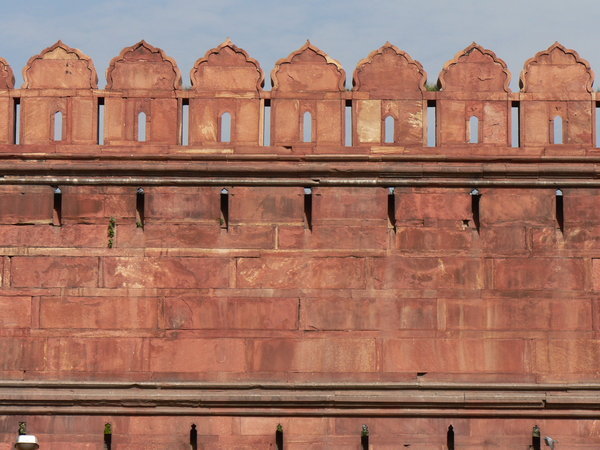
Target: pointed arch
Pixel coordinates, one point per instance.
(308, 69)
(142, 66)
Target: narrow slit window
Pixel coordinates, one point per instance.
(267, 124)
(279, 437)
(185, 122)
(225, 127)
(348, 123)
(140, 207)
(193, 437)
(516, 124)
(224, 220)
(557, 130)
(389, 126)
(391, 207)
(100, 124)
(57, 208)
(307, 127)
(17, 122)
(560, 212)
(308, 204)
(474, 130)
(431, 124)
(450, 438)
(475, 201)
(58, 126)
(141, 127)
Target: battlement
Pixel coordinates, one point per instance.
(308, 110)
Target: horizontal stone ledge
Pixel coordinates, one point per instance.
(549, 182)
(311, 399)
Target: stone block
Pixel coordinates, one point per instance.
(197, 355)
(518, 314)
(522, 206)
(539, 273)
(576, 355)
(167, 272)
(110, 355)
(15, 312)
(455, 355)
(349, 355)
(194, 312)
(414, 204)
(182, 204)
(301, 273)
(26, 204)
(60, 271)
(117, 313)
(266, 205)
(42, 235)
(325, 236)
(427, 273)
(342, 203)
(375, 314)
(94, 204)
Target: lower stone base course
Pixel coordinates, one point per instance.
(161, 433)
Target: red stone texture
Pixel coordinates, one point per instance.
(478, 300)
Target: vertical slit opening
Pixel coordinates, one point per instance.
(308, 204)
(267, 124)
(225, 124)
(475, 200)
(107, 436)
(279, 437)
(140, 207)
(364, 438)
(307, 134)
(389, 130)
(450, 438)
(557, 130)
(348, 124)
(474, 130)
(431, 123)
(17, 121)
(224, 220)
(100, 123)
(515, 124)
(57, 208)
(391, 207)
(141, 127)
(185, 121)
(58, 126)
(560, 212)
(193, 437)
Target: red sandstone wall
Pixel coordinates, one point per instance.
(349, 284)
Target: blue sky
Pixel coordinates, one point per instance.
(431, 31)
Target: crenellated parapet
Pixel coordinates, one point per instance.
(390, 108)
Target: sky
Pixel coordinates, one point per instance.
(431, 31)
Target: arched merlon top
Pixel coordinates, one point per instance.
(557, 70)
(143, 66)
(60, 67)
(308, 69)
(475, 69)
(7, 77)
(227, 67)
(389, 72)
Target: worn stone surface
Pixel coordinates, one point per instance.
(275, 304)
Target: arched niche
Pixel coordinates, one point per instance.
(60, 67)
(308, 69)
(227, 67)
(143, 66)
(557, 70)
(475, 69)
(389, 72)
